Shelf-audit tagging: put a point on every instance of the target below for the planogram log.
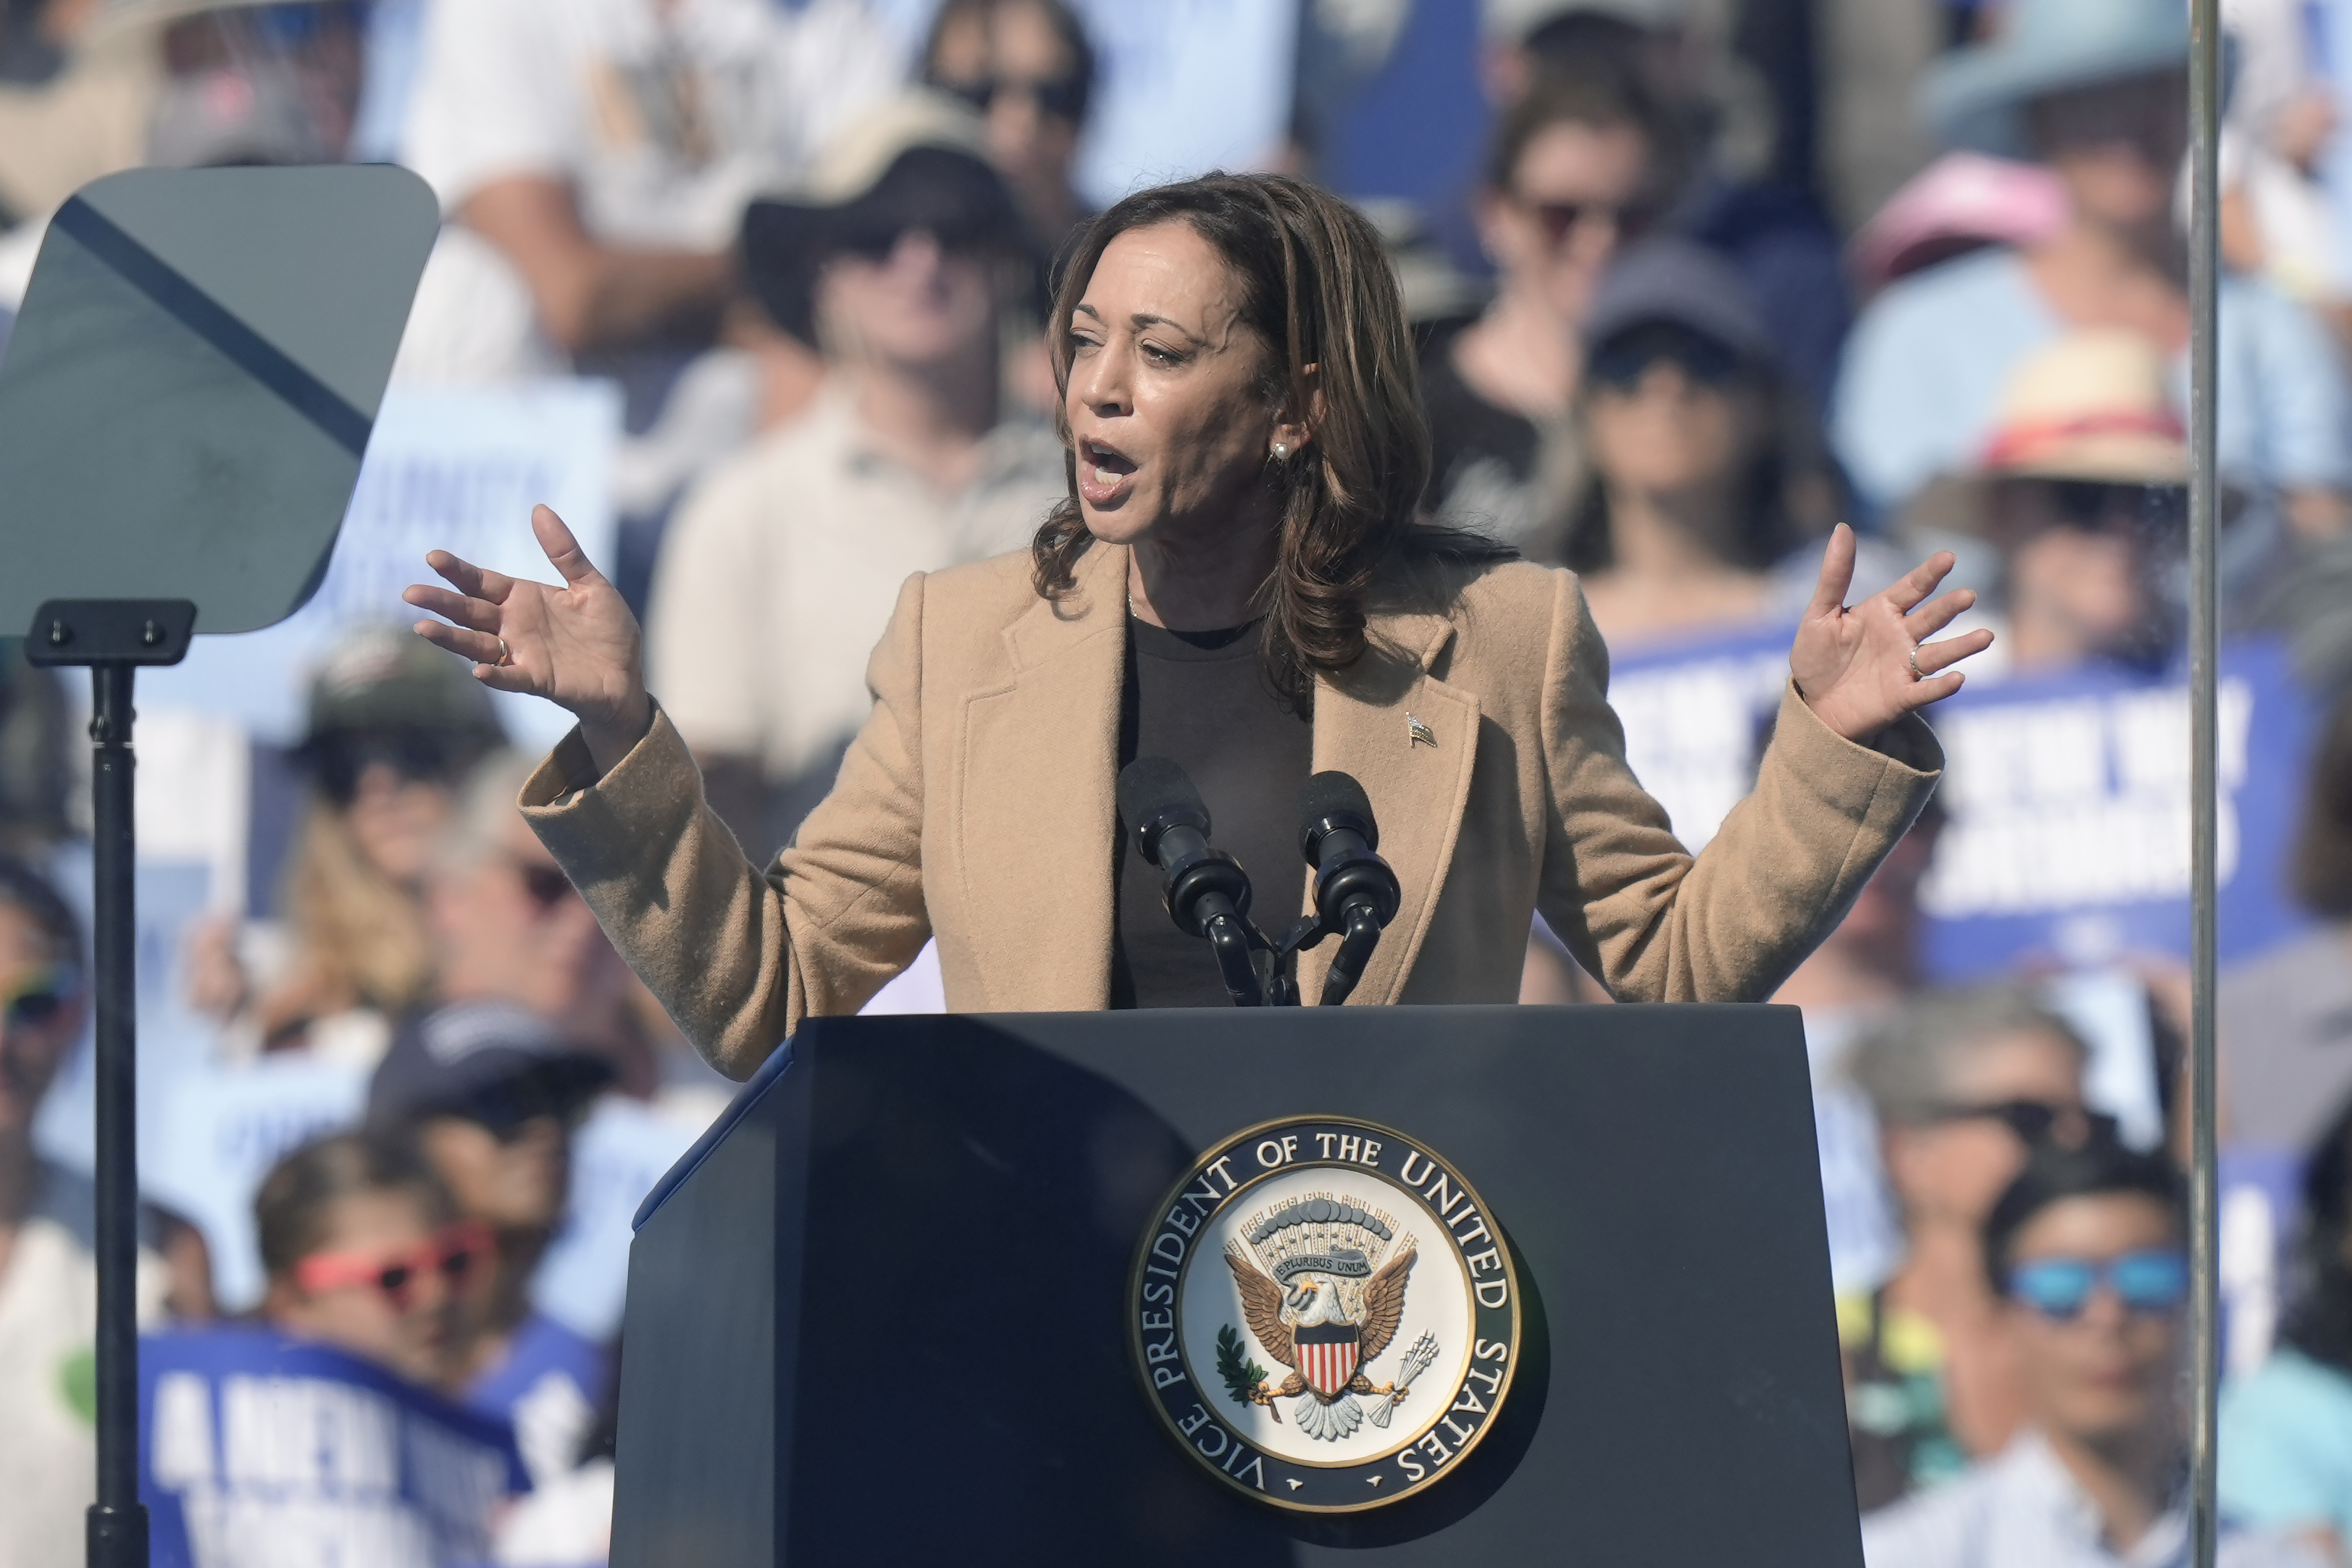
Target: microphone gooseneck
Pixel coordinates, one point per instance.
(1205, 890)
(1356, 892)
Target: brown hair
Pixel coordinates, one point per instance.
(362, 940)
(291, 1211)
(1317, 290)
(1593, 92)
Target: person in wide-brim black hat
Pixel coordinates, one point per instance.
(919, 163)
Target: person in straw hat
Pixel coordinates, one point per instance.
(2084, 490)
(2097, 90)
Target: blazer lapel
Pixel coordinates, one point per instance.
(1042, 751)
(1411, 740)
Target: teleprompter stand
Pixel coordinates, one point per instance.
(880, 1314)
(187, 394)
(113, 638)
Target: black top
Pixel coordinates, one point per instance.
(1471, 442)
(1494, 469)
(1202, 699)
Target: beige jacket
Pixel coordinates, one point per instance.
(977, 806)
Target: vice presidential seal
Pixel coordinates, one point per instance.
(1324, 1314)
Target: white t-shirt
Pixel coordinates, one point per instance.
(49, 1317)
(664, 115)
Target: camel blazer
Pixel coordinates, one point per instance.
(977, 807)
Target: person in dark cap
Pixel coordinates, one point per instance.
(1704, 470)
(783, 564)
(487, 1093)
(389, 736)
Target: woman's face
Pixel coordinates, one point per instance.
(1952, 1167)
(1016, 67)
(1579, 190)
(396, 820)
(2076, 582)
(1672, 433)
(922, 304)
(1168, 418)
(407, 1328)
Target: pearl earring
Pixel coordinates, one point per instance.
(1282, 452)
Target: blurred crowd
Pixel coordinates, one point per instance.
(1711, 276)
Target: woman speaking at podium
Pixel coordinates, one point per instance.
(1239, 578)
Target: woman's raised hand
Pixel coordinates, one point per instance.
(577, 645)
(1861, 668)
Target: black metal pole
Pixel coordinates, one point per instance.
(118, 1520)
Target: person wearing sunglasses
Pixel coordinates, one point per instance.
(389, 739)
(1580, 165)
(503, 923)
(1027, 68)
(48, 1214)
(1963, 1087)
(2084, 490)
(364, 1251)
(487, 1095)
(2086, 1253)
(896, 258)
(1704, 472)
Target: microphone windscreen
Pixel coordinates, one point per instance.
(1336, 794)
(1150, 785)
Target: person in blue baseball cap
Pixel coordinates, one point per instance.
(2097, 90)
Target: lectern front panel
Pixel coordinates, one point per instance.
(952, 1217)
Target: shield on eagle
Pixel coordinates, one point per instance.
(1327, 1356)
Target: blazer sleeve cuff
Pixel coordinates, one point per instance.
(1883, 783)
(589, 822)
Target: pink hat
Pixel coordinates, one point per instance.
(1961, 201)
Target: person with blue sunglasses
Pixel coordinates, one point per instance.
(2087, 1252)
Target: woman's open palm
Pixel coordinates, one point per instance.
(577, 645)
(1862, 667)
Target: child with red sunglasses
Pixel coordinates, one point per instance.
(363, 1253)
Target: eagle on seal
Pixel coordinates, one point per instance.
(1303, 1322)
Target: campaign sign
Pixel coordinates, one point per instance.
(229, 1124)
(2066, 794)
(256, 1448)
(450, 468)
(1696, 715)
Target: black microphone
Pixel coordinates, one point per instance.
(1356, 893)
(1205, 890)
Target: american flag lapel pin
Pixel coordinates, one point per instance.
(1419, 733)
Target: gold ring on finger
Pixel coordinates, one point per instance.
(505, 657)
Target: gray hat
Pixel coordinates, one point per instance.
(1675, 282)
(387, 677)
(1972, 97)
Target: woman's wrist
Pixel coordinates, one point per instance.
(610, 740)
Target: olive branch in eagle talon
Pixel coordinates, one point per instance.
(1245, 1379)
(1262, 1306)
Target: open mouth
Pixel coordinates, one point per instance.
(1103, 472)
